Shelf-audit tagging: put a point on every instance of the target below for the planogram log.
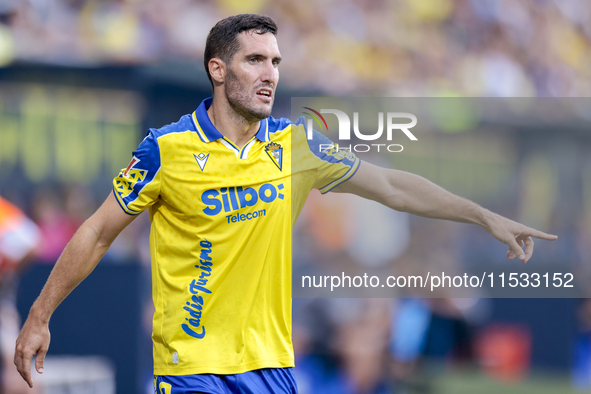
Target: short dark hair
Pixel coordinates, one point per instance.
(222, 40)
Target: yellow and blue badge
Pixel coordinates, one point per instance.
(129, 177)
(275, 152)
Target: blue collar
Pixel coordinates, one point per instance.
(207, 131)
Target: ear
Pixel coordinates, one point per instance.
(217, 69)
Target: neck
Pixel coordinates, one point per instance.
(232, 125)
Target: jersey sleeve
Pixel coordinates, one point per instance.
(138, 186)
(333, 166)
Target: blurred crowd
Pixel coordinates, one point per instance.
(400, 48)
(59, 210)
(360, 47)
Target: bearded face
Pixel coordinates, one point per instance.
(252, 76)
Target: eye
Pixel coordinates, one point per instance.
(253, 60)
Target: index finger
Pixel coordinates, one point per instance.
(539, 234)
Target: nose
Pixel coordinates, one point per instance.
(269, 73)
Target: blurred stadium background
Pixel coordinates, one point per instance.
(81, 81)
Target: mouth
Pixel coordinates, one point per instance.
(266, 94)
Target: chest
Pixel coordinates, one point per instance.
(215, 178)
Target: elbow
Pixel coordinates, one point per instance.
(94, 231)
(394, 198)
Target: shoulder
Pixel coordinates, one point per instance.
(150, 146)
(277, 125)
(184, 124)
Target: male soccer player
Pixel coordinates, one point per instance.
(224, 186)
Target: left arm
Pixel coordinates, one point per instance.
(411, 193)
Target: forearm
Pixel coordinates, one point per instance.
(77, 261)
(418, 196)
(411, 193)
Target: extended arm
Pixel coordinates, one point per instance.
(411, 193)
(79, 258)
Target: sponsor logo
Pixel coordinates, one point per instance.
(195, 306)
(242, 217)
(275, 152)
(231, 199)
(201, 159)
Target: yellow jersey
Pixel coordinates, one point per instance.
(221, 221)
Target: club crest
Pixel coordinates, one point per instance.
(275, 152)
